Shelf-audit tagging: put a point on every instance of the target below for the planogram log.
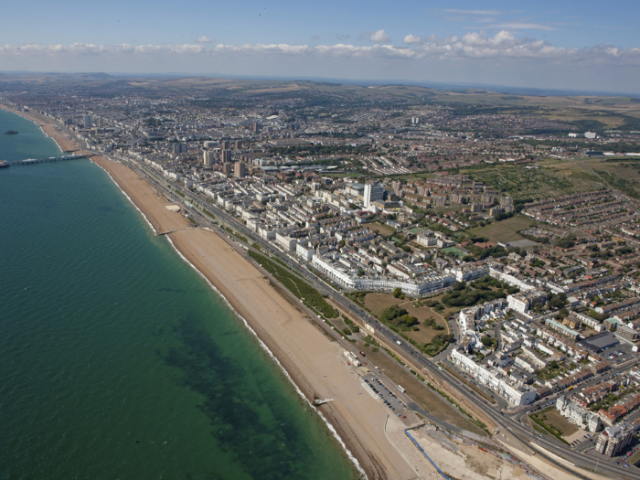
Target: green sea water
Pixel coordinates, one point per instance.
(117, 360)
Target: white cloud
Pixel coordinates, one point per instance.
(376, 37)
(503, 44)
(504, 58)
(472, 12)
(522, 26)
(409, 39)
(204, 39)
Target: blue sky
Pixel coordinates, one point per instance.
(573, 45)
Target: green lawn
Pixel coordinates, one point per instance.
(504, 231)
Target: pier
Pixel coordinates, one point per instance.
(32, 161)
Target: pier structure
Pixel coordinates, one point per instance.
(33, 161)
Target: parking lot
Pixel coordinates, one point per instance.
(386, 396)
(618, 353)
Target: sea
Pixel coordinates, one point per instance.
(117, 360)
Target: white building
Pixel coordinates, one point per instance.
(207, 158)
(578, 415)
(304, 252)
(522, 302)
(372, 193)
(287, 242)
(516, 395)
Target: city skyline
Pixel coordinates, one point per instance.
(545, 46)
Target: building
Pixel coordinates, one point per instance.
(506, 203)
(372, 193)
(239, 169)
(563, 329)
(600, 342)
(514, 393)
(578, 415)
(522, 302)
(428, 240)
(286, 242)
(180, 148)
(87, 121)
(207, 158)
(226, 156)
(614, 439)
(227, 168)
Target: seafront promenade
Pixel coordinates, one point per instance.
(315, 365)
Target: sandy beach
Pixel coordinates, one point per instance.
(314, 362)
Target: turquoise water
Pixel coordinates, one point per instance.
(117, 361)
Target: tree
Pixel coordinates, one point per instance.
(567, 241)
(397, 292)
(557, 301)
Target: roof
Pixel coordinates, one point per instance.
(599, 342)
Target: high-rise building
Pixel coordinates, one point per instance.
(226, 156)
(179, 148)
(372, 193)
(225, 144)
(507, 204)
(208, 158)
(613, 439)
(87, 121)
(239, 169)
(238, 144)
(227, 168)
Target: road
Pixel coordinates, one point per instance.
(506, 422)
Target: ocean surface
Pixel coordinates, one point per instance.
(117, 360)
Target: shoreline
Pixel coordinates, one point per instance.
(263, 345)
(47, 127)
(369, 466)
(352, 424)
(365, 446)
(358, 450)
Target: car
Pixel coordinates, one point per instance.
(404, 416)
(362, 353)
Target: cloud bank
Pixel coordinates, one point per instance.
(475, 57)
(503, 45)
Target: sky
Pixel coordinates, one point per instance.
(568, 45)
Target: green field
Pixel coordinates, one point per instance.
(546, 181)
(381, 229)
(622, 175)
(455, 251)
(504, 231)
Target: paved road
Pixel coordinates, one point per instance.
(506, 422)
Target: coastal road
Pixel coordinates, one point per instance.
(393, 341)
